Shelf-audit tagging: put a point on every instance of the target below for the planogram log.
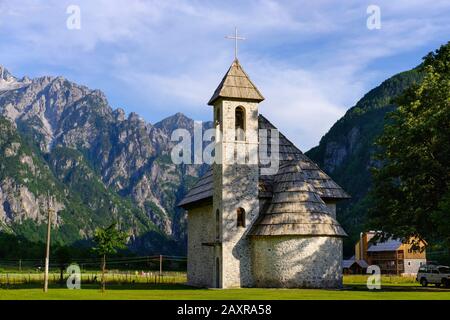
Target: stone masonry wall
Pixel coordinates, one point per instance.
(200, 263)
(236, 186)
(297, 262)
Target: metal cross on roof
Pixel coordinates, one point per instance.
(235, 38)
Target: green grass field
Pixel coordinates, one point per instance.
(393, 288)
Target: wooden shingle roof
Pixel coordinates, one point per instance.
(323, 184)
(325, 187)
(295, 208)
(201, 191)
(236, 84)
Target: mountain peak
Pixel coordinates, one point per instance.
(179, 116)
(5, 74)
(9, 82)
(178, 120)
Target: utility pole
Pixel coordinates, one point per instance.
(47, 251)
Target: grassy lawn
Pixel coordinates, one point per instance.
(393, 288)
(173, 292)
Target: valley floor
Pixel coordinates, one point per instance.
(181, 292)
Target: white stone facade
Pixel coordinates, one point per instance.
(297, 262)
(235, 186)
(200, 262)
(222, 253)
(278, 262)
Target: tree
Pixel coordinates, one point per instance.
(411, 195)
(63, 257)
(108, 240)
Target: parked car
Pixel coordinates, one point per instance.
(437, 275)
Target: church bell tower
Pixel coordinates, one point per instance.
(235, 176)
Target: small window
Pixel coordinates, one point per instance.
(240, 123)
(217, 116)
(444, 270)
(240, 217)
(217, 224)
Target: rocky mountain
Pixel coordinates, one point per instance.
(346, 151)
(61, 139)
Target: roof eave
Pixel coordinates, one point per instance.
(213, 99)
(340, 198)
(252, 235)
(196, 203)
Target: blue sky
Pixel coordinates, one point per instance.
(312, 60)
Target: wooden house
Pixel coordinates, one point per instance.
(392, 256)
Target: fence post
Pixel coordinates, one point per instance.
(160, 268)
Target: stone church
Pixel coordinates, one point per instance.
(246, 229)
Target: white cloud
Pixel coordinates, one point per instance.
(310, 59)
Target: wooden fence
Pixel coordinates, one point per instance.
(127, 270)
(151, 277)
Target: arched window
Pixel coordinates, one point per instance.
(217, 116)
(217, 224)
(240, 217)
(240, 123)
(217, 124)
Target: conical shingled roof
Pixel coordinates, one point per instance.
(322, 183)
(236, 85)
(295, 208)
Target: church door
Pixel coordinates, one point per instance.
(217, 273)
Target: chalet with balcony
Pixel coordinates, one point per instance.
(392, 256)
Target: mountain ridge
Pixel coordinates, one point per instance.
(72, 131)
(103, 165)
(345, 151)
